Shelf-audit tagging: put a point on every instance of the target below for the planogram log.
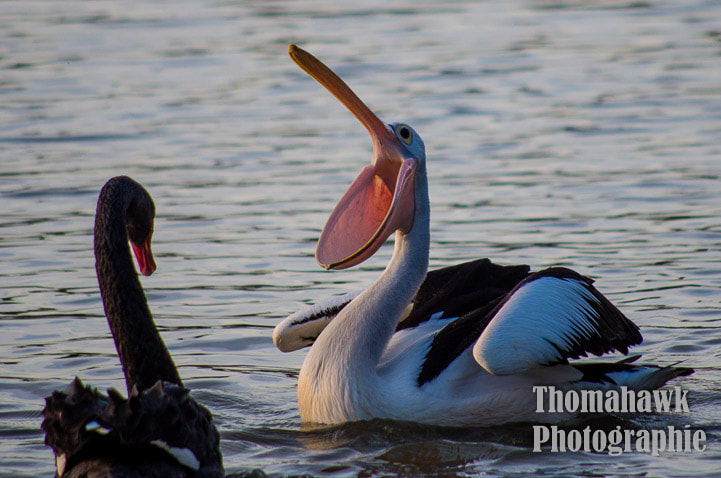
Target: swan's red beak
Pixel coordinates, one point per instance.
(144, 256)
(382, 198)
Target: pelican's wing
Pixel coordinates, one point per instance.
(549, 317)
(457, 290)
(447, 292)
(300, 329)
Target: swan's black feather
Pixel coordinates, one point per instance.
(123, 435)
(159, 430)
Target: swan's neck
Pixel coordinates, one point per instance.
(347, 352)
(143, 355)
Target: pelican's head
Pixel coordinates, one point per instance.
(382, 198)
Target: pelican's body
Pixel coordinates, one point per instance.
(350, 363)
(460, 346)
(360, 367)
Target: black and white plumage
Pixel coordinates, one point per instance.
(302, 328)
(159, 430)
(463, 345)
(515, 323)
(512, 318)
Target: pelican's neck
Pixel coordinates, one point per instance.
(347, 352)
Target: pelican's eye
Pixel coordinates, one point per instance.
(404, 133)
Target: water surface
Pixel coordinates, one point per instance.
(558, 133)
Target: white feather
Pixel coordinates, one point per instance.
(298, 330)
(546, 311)
(97, 428)
(184, 455)
(60, 462)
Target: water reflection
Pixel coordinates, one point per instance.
(558, 133)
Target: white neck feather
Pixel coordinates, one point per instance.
(341, 365)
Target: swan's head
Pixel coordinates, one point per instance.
(139, 223)
(382, 198)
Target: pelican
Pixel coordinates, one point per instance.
(459, 346)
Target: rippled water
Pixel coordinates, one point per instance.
(585, 134)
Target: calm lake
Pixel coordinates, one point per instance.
(581, 134)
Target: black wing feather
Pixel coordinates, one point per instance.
(611, 329)
(163, 412)
(460, 289)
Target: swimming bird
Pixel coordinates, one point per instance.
(159, 430)
(459, 346)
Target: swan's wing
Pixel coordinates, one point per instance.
(447, 292)
(96, 434)
(301, 328)
(547, 318)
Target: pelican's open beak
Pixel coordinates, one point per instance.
(144, 255)
(381, 199)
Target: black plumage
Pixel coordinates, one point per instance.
(458, 289)
(159, 430)
(603, 372)
(610, 330)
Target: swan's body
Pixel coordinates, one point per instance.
(158, 430)
(446, 363)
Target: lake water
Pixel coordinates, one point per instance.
(583, 134)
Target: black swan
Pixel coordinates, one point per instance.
(159, 430)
